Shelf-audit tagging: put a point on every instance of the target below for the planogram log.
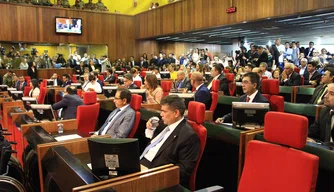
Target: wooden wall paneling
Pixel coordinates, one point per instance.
(178, 24)
(146, 46)
(125, 36)
(6, 30)
(167, 20)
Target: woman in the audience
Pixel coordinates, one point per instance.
(32, 70)
(91, 65)
(34, 92)
(276, 74)
(199, 68)
(24, 64)
(154, 92)
(93, 85)
(171, 69)
(195, 56)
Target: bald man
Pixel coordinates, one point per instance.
(202, 94)
(182, 81)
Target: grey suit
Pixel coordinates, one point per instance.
(185, 84)
(121, 124)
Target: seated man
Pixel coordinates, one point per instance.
(202, 94)
(66, 80)
(289, 77)
(69, 103)
(135, 74)
(182, 82)
(110, 78)
(177, 143)
(313, 77)
(250, 85)
(8, 78)
(321, 90)
(216, 73)
(121, 120)
(21, 84)
(56, 81)
(128, 82)
(321, 129)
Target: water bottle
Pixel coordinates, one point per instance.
(60, 128)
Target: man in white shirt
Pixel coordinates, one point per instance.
(121, 120)
(177, 143)
(280, 49)
(287, 51)
(263, 67)
(135, 74)
(303, 67)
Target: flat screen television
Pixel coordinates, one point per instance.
(68, 25)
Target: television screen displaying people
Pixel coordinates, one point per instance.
(68, 25)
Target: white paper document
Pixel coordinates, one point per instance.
(68, 137)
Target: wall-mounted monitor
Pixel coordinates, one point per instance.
(68, 25)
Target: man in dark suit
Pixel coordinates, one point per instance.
(132, 61)
(20, 84)
(313, 77)
(202, 93)
(71, 62)
(162, 60)
(66, 80)
(183, 82)
(128, 82)
(216, 73)
(143, 62)
(110, 78)
(308, 52)
(121, 120)
(170, 58)
(289, 76)
(69, 103)
(154, 60)
(262, 58)
(320, 91)
(322, 129)
(250, 86)
(177, 143)
(56, 80)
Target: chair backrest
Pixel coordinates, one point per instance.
(215, 85)
(43, 83)
(27, 79)
(214, 101)
(229, 77)
(138, 83)
(196, 117)
(79, 92)
(226, 71)
(135, 104)
(276, 102)
(74, 79)
(116, 78)
(143, 73)
(270, 86)
(277, 166)
(296, 69)
(264, 77)
(166, 86)
(26, 91)
(87, 117)
(100, 77)
(302, 80)
(41, 96)
(89, 97)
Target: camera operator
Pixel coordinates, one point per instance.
(241, 56)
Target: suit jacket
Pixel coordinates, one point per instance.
(321, 129)
(69, 103)
(133, 86)
(18, 85)
(223, 85)
(66, 83)
(306, 74)
(294, 80)
(185, 84)
(110, 79)
(259, 98)
(307, 50)
(203, 95)
(318, 90)
(181, 148)
(262, 58)
(122, 125)
(32, 74)
(143, 64)
(72, 63)
(79, 70)
(315, 77)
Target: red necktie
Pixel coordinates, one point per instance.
(248, 99)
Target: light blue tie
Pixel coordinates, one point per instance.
(180, 84)
(155, 142)
(108, 120)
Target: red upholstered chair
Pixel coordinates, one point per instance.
(214, 101)
(215, 86)
(302, 80)
(138, 83)
(279, 165)
(264, 77)
(135, 105)
(296, 69)
(143, 73)
(270, 86)
(43, 83)
(226, 71)
(26, 91)
(229, 77)
(41, 96)
(116, 78)
(79, 92)
(88, 113)
(27, 79)
(276, 103)
(166, 87)
(196, 118)
(74, 79)
(100, 77)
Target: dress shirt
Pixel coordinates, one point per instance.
(96, 86)
(107, 127)
(302, 70)
(154, 150)
(199, 86)
(268, 74)
(137, 78)
(252, 96)
(210, 85)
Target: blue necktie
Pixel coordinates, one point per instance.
(108, 120)
(155, 142)
(179, 86)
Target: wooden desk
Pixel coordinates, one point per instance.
(151, 106)
(56, 90)
(6, 107)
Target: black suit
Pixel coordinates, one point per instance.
(32, 74)
(307, 50)
(223, 84)
(315, 77)
(18, 86)
(110, 79)
(321, 129)
(259, 98)
(66, 83)
(203, 95)
(317, 93)
(69, 104)
(72, 63)
(185, 84)
(181, 148)
(79, 70)
(154, 62)
(144, 64)
(162, 62)
(171, 60)
(293, 80)
(133, 86)
(262, 58)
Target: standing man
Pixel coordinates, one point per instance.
(121, 120)
(308, 52)
(303, 68)
(250, 86)
(322, 129)
(69, 103)
(177, 143)
(21, 84)
(202, 94)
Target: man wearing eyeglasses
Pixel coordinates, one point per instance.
(120, 121)
(322, 129)
(250, 86)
